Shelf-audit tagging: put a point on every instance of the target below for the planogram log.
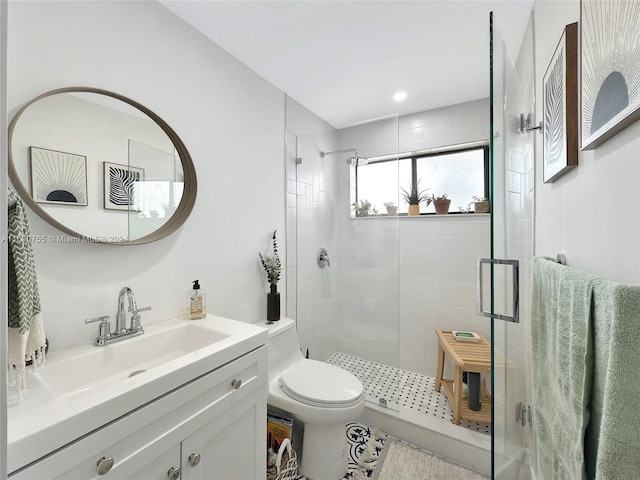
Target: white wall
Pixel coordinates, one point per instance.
(230, 119)
(590, 213)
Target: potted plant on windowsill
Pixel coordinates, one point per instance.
(362, 208)
(441, 203)
(392, 209)
(481, 205)
(415, 197)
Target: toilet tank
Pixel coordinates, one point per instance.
(283, 346)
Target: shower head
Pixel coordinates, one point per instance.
(357, 160)
(353, 161)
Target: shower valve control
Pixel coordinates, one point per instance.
(323, 258)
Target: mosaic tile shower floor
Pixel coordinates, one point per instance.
(416, 390)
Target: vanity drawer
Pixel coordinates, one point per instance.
(147, 440)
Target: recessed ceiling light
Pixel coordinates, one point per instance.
(399, 96)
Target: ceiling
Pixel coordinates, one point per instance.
(344, 60)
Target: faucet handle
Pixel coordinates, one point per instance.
(103, 319)
(143, 309)
(135, 318)
(104, 329)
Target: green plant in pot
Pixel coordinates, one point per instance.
(441, 204)
(392, 209)
(415, 197)
(273, 268)
(481, 205)
(362, 208)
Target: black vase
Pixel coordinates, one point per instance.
(273, 304)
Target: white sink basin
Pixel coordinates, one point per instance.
(82, 368)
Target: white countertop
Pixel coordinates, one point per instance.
(44, 421)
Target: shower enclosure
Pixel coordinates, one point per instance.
(345, 298)
(369, 288)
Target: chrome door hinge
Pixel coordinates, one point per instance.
(523, 414)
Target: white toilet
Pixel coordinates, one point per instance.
(321, 395)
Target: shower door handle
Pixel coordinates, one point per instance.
(515, 318)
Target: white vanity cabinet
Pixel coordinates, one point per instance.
(213, 427)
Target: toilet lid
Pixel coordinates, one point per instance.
(321, 384)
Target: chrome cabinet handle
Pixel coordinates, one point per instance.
(173, 473)
(236, 383)
(104, 465)
(194, 459)
(516, 289)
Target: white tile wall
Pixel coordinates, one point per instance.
(407, 285)
(392, 282)
(400, 279)
(311, 225)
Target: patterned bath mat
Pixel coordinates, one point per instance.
(403, 461)
(365, 447)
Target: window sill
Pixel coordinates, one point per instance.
(422, 216)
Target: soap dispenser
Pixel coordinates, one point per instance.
(197, 302)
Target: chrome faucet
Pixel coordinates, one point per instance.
(105, 335)
(121, 315)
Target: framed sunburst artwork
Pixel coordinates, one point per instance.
(122, 187)
(58, 177)
(560, 106)
(610, 46)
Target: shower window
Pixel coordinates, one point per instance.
(461, 174)
(378, 182)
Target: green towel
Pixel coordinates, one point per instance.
(562, 359)
(613, 436)
(26, 338)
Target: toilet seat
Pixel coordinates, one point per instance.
(321, 385)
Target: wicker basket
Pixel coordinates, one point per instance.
(286, 464)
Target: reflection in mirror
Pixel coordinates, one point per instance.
(155, 199)
(101, 167)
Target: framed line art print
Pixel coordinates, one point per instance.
(122, 187)
(58, 177)
(560, 107)
(610, 68)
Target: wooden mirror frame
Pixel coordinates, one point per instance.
(190, 182)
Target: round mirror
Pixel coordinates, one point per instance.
(100, 166)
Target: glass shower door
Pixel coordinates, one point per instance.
(346, 309)
(512, 189)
